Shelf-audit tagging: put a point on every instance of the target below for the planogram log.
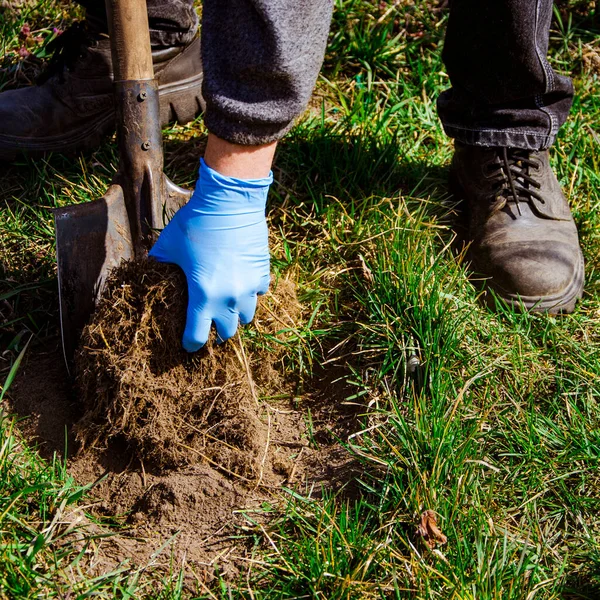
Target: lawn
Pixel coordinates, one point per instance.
(489, 418)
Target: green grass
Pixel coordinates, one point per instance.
(498, 427)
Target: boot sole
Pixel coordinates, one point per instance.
(564, 302)
(180, 102)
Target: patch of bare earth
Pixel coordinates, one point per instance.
(180, 447)
(591, 58)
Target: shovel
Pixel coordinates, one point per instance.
(93, 238)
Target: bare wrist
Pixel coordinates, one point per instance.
(235, 160)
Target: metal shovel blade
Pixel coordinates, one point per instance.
(91, 240)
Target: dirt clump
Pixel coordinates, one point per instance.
(182, 452)
(173, 409)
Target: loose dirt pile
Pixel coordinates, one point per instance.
(171, 408)
(179, 447)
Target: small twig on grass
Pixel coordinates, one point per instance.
(274, 546)
(575, 173)
(248, 571)
(261, 563)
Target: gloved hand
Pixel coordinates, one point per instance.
(220, 241)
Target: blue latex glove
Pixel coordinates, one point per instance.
(220, 241)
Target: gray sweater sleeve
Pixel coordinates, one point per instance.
(261, 59)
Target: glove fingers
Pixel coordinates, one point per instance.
(227, 325)
(263, 286)
(197, 325)
(247, 308)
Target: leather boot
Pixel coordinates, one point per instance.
(523, 237)
(71, 107)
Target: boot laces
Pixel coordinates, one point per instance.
(66, 49)
(511, 172)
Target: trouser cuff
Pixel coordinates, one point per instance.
(526, 140)
(166, 39)
(248, 133)
(172, 23)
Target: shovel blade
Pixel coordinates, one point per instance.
(91, 239)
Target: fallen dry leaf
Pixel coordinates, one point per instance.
(367, 273)
(428, 529)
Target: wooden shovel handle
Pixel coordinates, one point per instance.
(130, 39)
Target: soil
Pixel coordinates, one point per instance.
(171, 408)
(182, 451)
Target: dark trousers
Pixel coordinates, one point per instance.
(504, 92)
(261, 60)
(172, 22)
